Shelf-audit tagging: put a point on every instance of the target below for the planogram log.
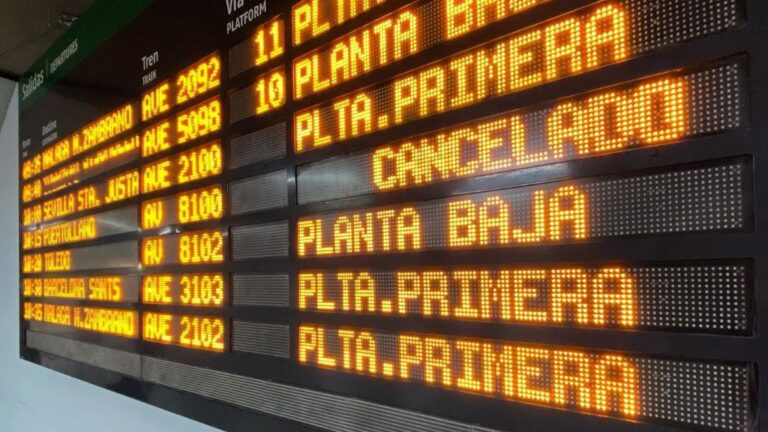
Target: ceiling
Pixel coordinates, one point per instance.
(28, 28)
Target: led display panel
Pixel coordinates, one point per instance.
(410, 215)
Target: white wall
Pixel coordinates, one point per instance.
(33, 398)
(6, 91)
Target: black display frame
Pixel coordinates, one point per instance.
(748, 141)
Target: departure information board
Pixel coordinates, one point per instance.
(404, 215)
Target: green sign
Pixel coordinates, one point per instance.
(99, 23)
